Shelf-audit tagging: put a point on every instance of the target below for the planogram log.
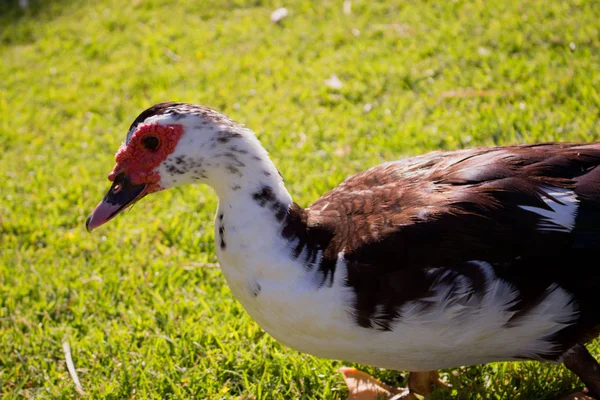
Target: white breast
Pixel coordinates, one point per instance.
(451, 333)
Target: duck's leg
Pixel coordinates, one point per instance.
(423, 383)
(362, 386)
(579, 360)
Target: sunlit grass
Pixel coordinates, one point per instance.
(145, 318)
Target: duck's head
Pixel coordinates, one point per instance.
(171, 144)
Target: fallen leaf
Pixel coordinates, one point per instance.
(362, 386)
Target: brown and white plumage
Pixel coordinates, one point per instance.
(436, 261)
(530, 211)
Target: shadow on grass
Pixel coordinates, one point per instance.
(16, 9)
(14, 13)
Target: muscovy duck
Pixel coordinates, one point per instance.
(441, 260)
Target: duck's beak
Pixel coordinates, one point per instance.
(121, 194)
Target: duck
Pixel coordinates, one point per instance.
(434, 261)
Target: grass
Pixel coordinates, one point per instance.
(144, 316)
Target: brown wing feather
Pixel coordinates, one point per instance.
(482, 182)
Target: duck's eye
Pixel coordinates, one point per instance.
(151, 142)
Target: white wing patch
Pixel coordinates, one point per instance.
(561, 217)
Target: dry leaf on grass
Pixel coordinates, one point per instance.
(362, 386)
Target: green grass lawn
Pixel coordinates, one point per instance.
(145, 315)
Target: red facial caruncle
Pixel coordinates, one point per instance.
(149, 146)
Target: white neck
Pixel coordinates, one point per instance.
(242, 167)
(253, 206)
(273, 264)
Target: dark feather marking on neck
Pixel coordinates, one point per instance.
(174, 170)
(264, 196)
(232, 158)
(222, 236)
(256, 289)
(310, 240)
(226, 136)
(232, 169)
(235, 149)
(183, 164)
